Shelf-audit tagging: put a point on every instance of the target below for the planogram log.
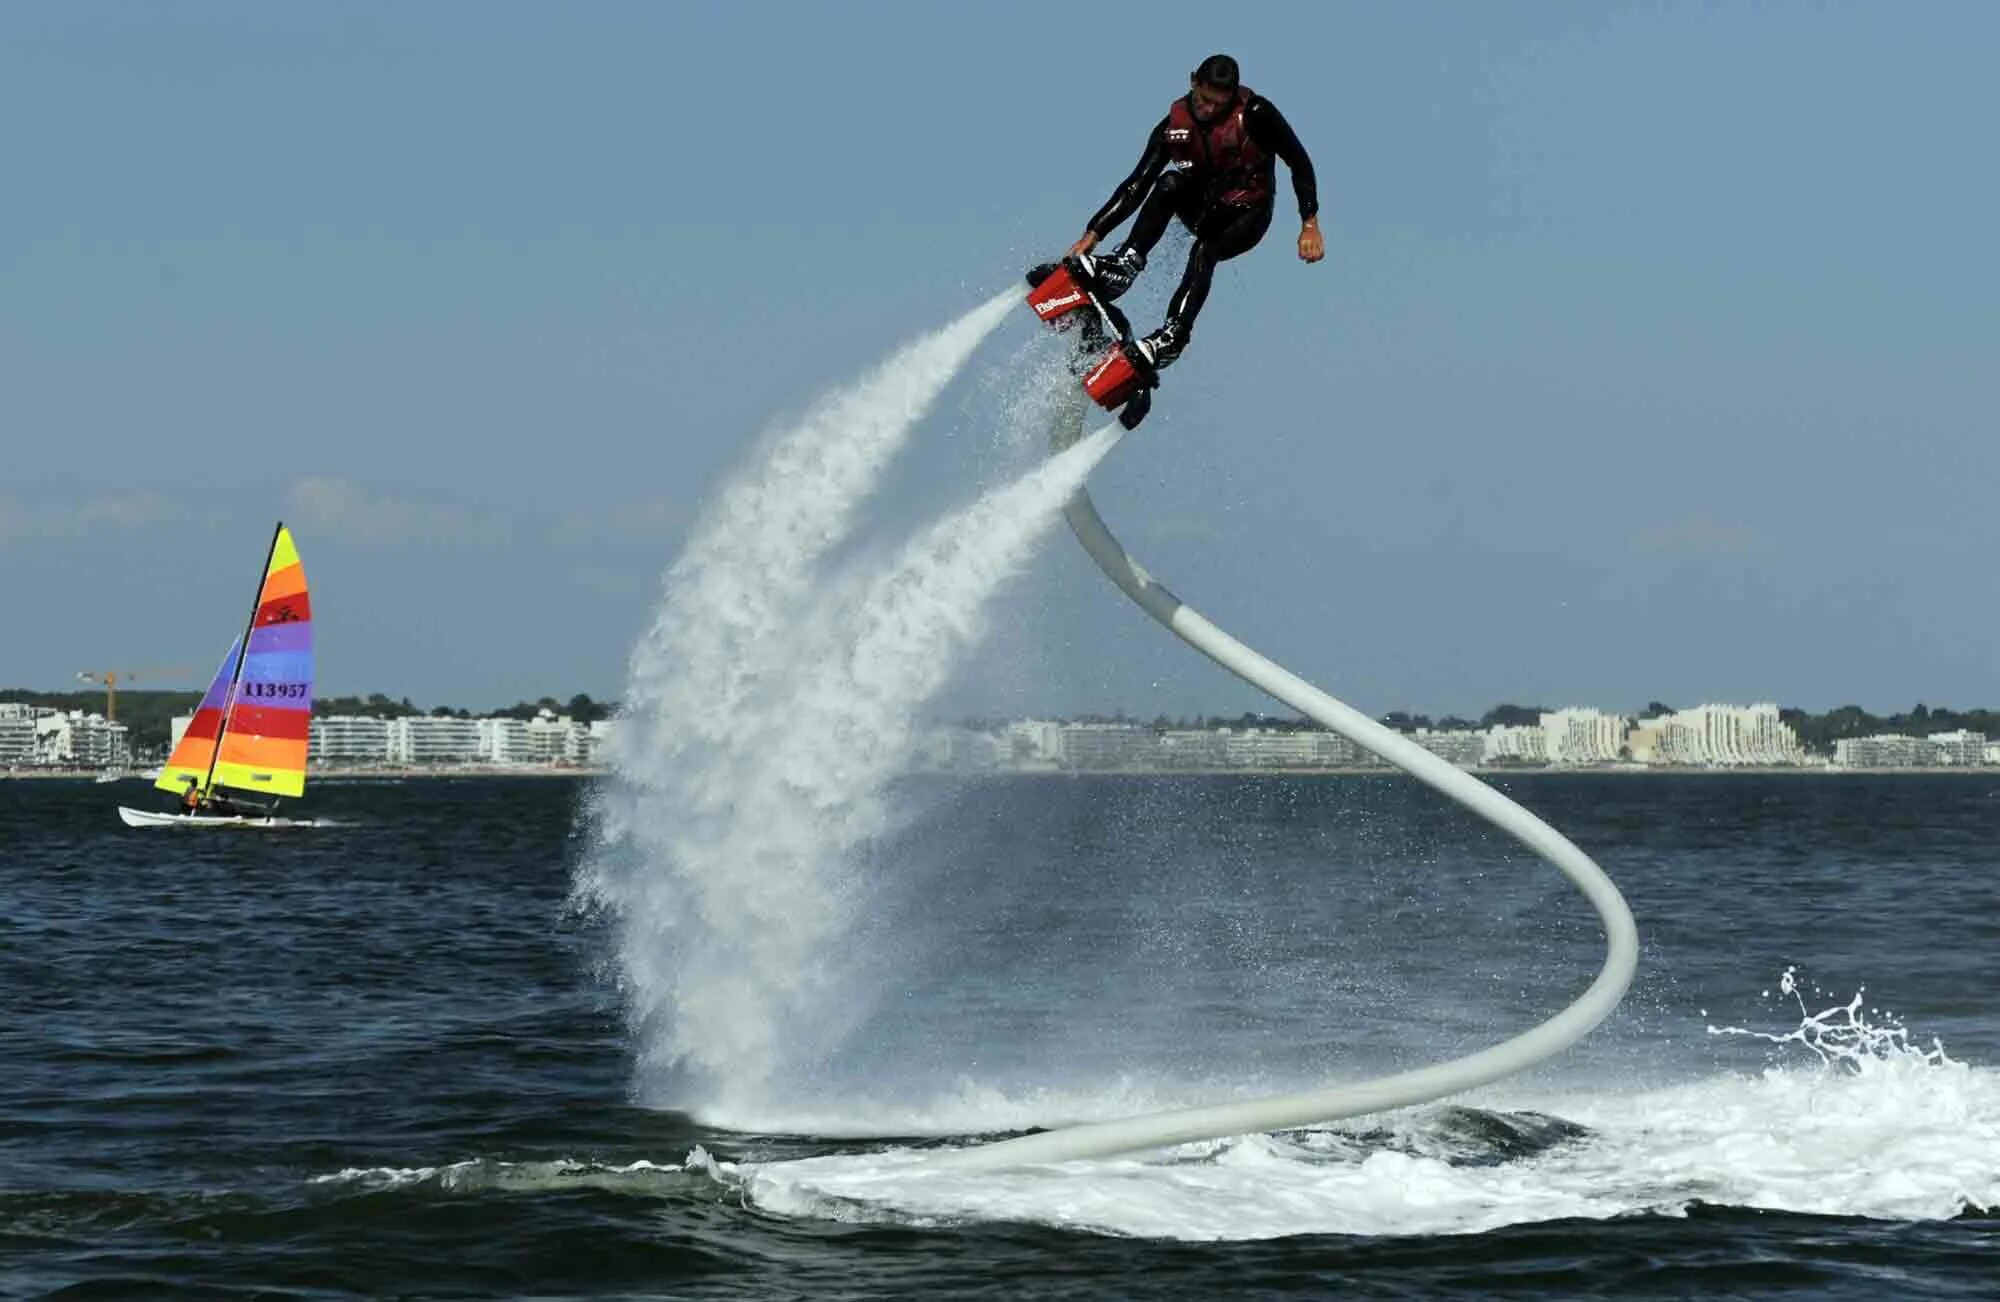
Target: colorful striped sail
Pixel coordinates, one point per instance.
(265, 732)
(250, 731)
(194, 753)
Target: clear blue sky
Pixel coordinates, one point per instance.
(1652, 357)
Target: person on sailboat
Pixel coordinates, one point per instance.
(191, 798)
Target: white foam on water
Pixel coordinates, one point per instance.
(486, 1175)
(1902, 1137)
(1886, 1131)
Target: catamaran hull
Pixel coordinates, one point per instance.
(149, 818)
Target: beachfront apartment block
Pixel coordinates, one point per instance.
(1955, 749)
(1465, 747)
(1255, 748)
(17, 735)
(1707, 736)
(347, 739)
(1032, 743)
(433, 739)
(1583, 736)
(1515, 744)
(1101, 747)
(505, 741)
(1132, 747)
(1891, 750)
(417, 740)
(38, 736)
(1717, 736)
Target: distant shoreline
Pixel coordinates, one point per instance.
(1593, 771)
(339, 775)
(440, 771)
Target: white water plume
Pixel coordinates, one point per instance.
(732, 910)
(734, 590)
(759, 986)
(769, 706)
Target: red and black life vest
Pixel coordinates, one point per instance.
(1239, 172)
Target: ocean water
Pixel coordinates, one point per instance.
(392, 1057)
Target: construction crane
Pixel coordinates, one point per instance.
(111, 678)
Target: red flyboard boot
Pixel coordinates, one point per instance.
(1112, 382)
(1057, 295)
(1123, 379)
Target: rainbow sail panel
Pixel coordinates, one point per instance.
(269, 717)
(194, 753)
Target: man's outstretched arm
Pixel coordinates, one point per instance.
(1131, 192)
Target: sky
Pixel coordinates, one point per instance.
(1652, 357)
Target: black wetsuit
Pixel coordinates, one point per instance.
(1221, 230)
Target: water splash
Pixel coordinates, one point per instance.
(769, 706)
(766, 985)
(732, 594)
(1876, 1128)
(1844, 1035)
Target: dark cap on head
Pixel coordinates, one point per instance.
(1219, 71)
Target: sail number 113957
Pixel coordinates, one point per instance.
(273, 691)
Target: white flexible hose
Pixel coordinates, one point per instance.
(1283, 1111)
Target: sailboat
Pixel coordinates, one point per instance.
(250, 732)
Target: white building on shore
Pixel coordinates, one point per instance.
(1515, 744)
(1030, 744)
(558, 739)
(427, 739)
(1196, 750)
(1893, 750)
(347, 739)
(505, 741)
(17, 735)
(1464, 747)
(417, 740)
(960, 750)
(1270, 748)
(1964, 748)
(1583, 736)
(1096, 747)
(39, 736)
(1889, 750)
(1717, 736)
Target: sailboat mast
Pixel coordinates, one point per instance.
(242, 654)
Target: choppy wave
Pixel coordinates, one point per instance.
(1895, 1133)
(1879, 1129)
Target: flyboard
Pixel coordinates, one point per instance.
(1403, 1089)
(1116, 373)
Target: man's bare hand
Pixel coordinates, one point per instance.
(1311, 247)
(1084, 245)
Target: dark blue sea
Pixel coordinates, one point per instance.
(399, 1056)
